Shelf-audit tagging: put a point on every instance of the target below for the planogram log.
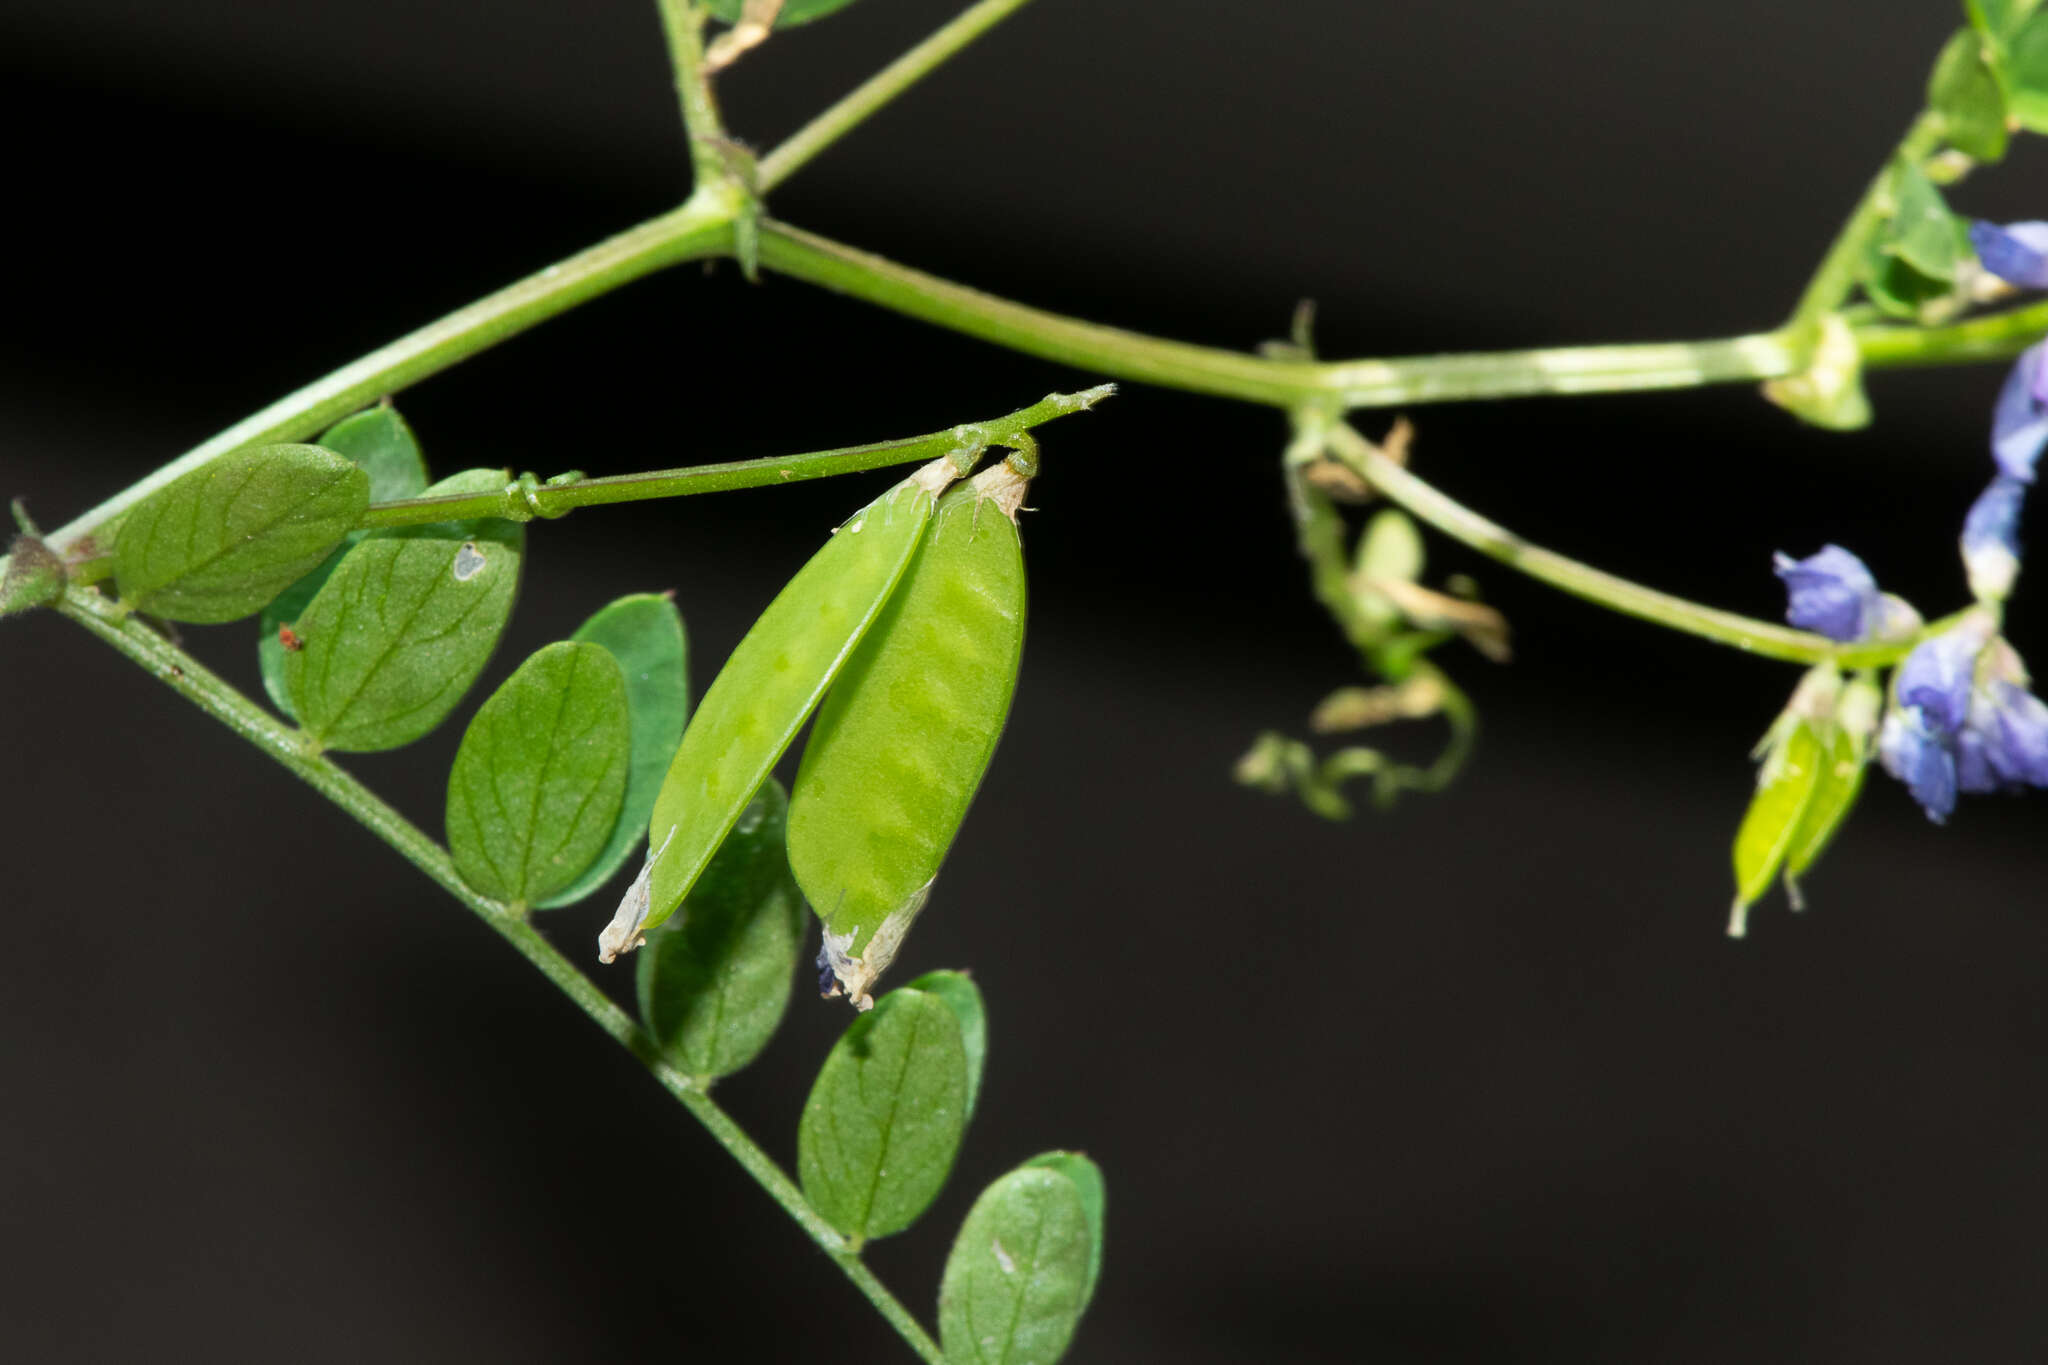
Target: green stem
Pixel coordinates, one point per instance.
(682, 27)
(885, 85)
(1349, 383)
(199, 685)
(703, 228)
(694, 231)
(1836, 274)
(522, 501)
(785, 1192)
(1603, 589)
(1997, 336)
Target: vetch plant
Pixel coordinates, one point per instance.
(380, 597)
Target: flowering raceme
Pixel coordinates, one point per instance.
(1962, 717)
(1963, 720)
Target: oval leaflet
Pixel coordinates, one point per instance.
(535, 786)
(1022, 1267)
(395, 637)
(221, 541)
(644, 632)
(379, 441)
(714, 981)
(885, 1116)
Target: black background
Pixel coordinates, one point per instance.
(1476, 1080)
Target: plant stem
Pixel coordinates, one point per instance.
(885, 85)
(1836, 274)
(785, 1192)
(522, 501)
(1349, 383)
(703, 228)
(1603, 589)
(1996, 336)
(682, 26)
(694, 231)
(199, 685)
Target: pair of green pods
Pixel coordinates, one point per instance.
(908, 627)
(1813, 762)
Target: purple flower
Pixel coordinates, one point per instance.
(1991, 547)
(2017, 253)
(1831, 592)
(1938, 675)
(2015, 734)
(1920, 758)
(1963, 720)
(2019, 424)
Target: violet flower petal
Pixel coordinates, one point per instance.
(2019, 422)
(1918, 756)
(2016, 252)
(1831, 592)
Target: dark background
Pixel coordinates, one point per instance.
(1476, 1080)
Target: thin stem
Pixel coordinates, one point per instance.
(523, 500)
(1836, 274)
(1603, 589)
(885, 85)
(691, 232)
(682, 26)
(199, 685)
(703, 228)
(1996, 336)
(785, 1192)
(1349, 383)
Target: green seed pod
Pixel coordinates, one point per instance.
(1840, 781)
(766, 691)
(1812, 769)
(903, 740)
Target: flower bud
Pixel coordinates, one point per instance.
(2017, 252)
(1991, 551)
(2019, 422)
